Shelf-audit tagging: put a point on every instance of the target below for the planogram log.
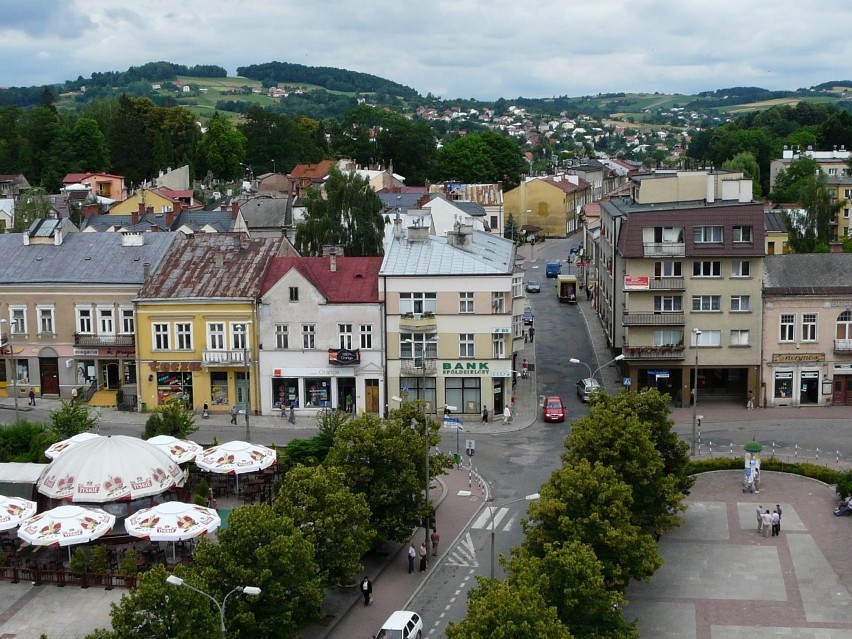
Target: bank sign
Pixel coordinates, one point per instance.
(465, 368)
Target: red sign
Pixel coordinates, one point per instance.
(640, 283)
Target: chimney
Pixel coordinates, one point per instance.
(397, 226)
(155, 228)
(418, 233)
(137, 215)
(235, 209)
(146, 270)
(90, 210)
(332, 264)
(171, 215)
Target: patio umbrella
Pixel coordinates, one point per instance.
(236, 457)
(14, 510)
(180, 450)
(65, 526)
(111, 468)
(60, 447)
(172, 521)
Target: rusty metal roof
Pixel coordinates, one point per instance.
(212, 266)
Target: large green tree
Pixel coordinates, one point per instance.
(747, 164)
(222, 149)
(274, 141)
(811, 230)
(33, 205)
(789, 181)
(483, 157)
(347, 212)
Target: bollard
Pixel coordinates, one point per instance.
(773, 449)
(732, 449)
(837, 457)
(817, 453)
(710, 446)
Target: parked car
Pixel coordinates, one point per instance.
(533, 286)
(528, 315)
(585, 387)
(403, 624)
(554, 410)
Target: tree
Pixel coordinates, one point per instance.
(511, 231)
(500, 610)
(334, 519)
(263, 549)
(811, 231)
(789, 181)
(348, 214)
(34, 205)
(71, 419)
(172, 418)
(222, 149)
(747, 164)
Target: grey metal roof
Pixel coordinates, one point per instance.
(808, 274)
(773, 221)
(471, 208)
(222, 221)
(82, 258)
(265, 211)
(488, 255)
(401, 200)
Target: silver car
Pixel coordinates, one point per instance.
(585, 387)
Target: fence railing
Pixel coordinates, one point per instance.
(38, 576)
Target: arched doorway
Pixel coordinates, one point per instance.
(48, 366)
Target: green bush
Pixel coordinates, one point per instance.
(78, 562)
(71, 419)
(98, 560)
(172, 418)
(844, 484)
(127, 567)
(805, 469)
(24, 441)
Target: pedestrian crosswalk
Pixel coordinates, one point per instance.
(494, 519)
(463, 554)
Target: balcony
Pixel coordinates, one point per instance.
(653, 319)
(94, 341)
(664, 249)
(668, 284)
(234, 357)
(653, 352)
(843, 346)
(417, 367)
(418, 323)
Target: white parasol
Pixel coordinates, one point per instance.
(66, 525)
(111, 468)
(172, 521)
(14, 510)
(60, 447)
(180, 450)
(236, 457)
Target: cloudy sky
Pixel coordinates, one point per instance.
(451, 48)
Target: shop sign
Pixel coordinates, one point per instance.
(174, 367)
(85, 352)
(637, 283)
(465, 368)
(810, 374)
(501, 330)
(841, 303)
(343, 356)
(501, 374)
(798, 357)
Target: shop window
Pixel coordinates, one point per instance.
(783, 384)
(317, 392)
(219, 389)
(22, 369)
(423, 388)
(285, 392)
(464, 392)
(174, 385)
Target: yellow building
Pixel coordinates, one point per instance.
(150, 201)
(197, 323)
(841, 191)
(552, 203)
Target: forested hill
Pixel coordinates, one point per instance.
(328, 78)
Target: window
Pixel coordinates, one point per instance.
(464, 392)
(844, 326)
(707, 338)
(739, 337)
(518, 286)
(161, 337)
(465, 302)
(106, 321)
(84, 320)
(294, 293)
(216, 336)
(788, 328)
(128, 323)
(707, 234)
(19, 320)
(366, 333)
(742, 234)
(809, 327)
(183, 336)
(706, 269)
(740, 268)
(498, 302)
(45, 321)
(668, 304)
(309, 336)
(345, 336)
(415, 344)
(666, 338)
(846, 213)
(239, 338)
(706, 303)
(418, 303)
(740, 303)
(498, 347)
(466, 345)
(282, 336)
(667, 234)
(668, 269)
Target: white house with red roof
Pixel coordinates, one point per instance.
(321, 335)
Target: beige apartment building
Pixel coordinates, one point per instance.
(807, 337)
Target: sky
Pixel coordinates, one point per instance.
(451, 48)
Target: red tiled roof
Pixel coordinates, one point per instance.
(77, 178)
(356, 280)
(313, 171)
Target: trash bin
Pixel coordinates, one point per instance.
(143, 407)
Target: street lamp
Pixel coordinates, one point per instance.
(273, 165)
(243, 330)
(695, 335)
(14, 366)
(617, 358)
(251, 591)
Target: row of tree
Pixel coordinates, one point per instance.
(622, 484)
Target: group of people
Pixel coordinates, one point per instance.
(769, 521)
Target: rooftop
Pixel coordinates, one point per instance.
(355, 280)
(808, 274)
(487, 255)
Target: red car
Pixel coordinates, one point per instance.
(554, 410)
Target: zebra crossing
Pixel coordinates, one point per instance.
(485, 521)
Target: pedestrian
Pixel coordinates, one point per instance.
(447, 411)
(205, 411)
(778, 510)
(435, 538)
(233, 412)
(776, 523)
(759, 519)
(292, 416)
(424, 559)
(412, 553)
(32, 397)
(485, 414)
(367, 590)
(532, 333)
(525, 369)
(750, 402)
(766, 519)
(507, 415)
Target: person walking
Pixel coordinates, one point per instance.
(485, 414)
(367, 590)
(424, 559)
(507, 415)
(525, 369)
(532, 333)
(32, 397)
(233, 413)
(205, 411)
(435, 538)
(412, 553)
(291, 417)
(750, 402)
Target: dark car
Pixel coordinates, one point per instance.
(554, 410)
(585, 387)
(528, 316)
(533, 286)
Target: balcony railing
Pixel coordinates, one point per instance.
(418, 322)
(234, 357)
(652, 319)
(123, 341)
(843, 346)
(668, 284)
(664, 249)
(417, 367)
(653, 352)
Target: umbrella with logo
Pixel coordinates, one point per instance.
(66, 526)
(180, 450)
(14, 510)
(172, 521)
(111, 468)
(60, 447)
(237, 458)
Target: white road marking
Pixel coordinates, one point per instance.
(463, 554)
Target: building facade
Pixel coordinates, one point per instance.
(552, 203)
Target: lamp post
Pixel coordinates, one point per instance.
(243, 329)
(592, 374)
(273, 165)
(14, 367)
(695, 335)
(252, 591)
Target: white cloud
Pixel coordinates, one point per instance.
(459, 48)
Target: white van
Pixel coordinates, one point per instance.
(403, 624)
